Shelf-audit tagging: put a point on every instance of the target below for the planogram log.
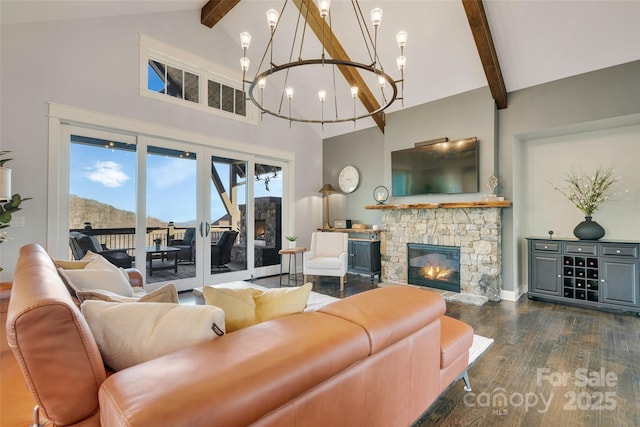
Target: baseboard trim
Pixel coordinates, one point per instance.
(511, 295)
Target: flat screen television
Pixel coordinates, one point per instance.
(449, 167)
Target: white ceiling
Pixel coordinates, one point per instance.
(536, 41)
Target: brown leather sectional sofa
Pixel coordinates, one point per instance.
(379, 358)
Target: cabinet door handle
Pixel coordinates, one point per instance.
(559, 275)
(579, 249)
(602, 280)
(618, 251)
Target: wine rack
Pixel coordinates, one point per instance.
(580, 278)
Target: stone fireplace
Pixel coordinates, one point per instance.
(474, 228)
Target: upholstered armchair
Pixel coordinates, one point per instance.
(327, 256)
(81, 243)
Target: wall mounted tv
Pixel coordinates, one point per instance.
(448, 167)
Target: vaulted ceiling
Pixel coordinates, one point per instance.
(453, 45)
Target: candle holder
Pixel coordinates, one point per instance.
(380, 194)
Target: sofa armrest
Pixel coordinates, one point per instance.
(307, 255)
(135, 278)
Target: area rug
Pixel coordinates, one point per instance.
(478, 347)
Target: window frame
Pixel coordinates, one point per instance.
(155, 50)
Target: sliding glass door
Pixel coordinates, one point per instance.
(179, 212)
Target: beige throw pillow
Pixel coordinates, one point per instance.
(166, 293)
(98, 273)
(129, 334)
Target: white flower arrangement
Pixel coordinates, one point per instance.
(588, 192)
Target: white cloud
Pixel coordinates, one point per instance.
(172, 172)
(107, 173)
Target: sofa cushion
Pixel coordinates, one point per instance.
(245, 306)
(129, 334)
(323, 263)
(166, 293)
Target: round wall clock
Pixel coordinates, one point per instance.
(349, 179)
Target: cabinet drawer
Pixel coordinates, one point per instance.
(581, 248)
(546, 246)
(619, 251)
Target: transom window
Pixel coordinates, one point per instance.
(178, 76)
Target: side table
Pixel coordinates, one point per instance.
(292, 257)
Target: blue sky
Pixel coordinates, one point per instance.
(108, 176)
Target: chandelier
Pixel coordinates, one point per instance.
(325, 97)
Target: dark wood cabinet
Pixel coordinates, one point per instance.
(364, 257)
(602, 274)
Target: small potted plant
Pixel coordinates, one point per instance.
(158, 242)
(292, 241)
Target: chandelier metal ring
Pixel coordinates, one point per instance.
(318, 61)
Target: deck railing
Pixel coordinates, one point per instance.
(124, 238)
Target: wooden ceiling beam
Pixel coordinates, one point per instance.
(486, 49)
(214, 10)
(336, 51)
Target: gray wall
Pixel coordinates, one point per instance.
(93, 64)
(601, 101)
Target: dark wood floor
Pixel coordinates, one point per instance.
(532, 339)
(535, 344)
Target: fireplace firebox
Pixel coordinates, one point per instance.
(434, 266)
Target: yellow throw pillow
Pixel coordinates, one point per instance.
(237, 304)
(278, 302)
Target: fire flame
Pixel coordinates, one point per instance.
(435, 272)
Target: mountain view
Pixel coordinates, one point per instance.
(101, 215)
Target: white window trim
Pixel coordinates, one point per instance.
(157, 50)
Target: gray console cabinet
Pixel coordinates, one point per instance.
(364, 257)
(601, 274)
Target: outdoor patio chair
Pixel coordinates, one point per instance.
(221, 251)
(187, 245)
(81, 243)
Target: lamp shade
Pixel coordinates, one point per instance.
(327, 189)
(5, 184)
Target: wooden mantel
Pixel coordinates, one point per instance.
(444, 205)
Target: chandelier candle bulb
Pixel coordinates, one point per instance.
(402, 62)
(376, 17)
(244, 63)
(272, 18)
(401, 39)
(245, 40)
(324, 6)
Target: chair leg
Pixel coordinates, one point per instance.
(341, 283)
